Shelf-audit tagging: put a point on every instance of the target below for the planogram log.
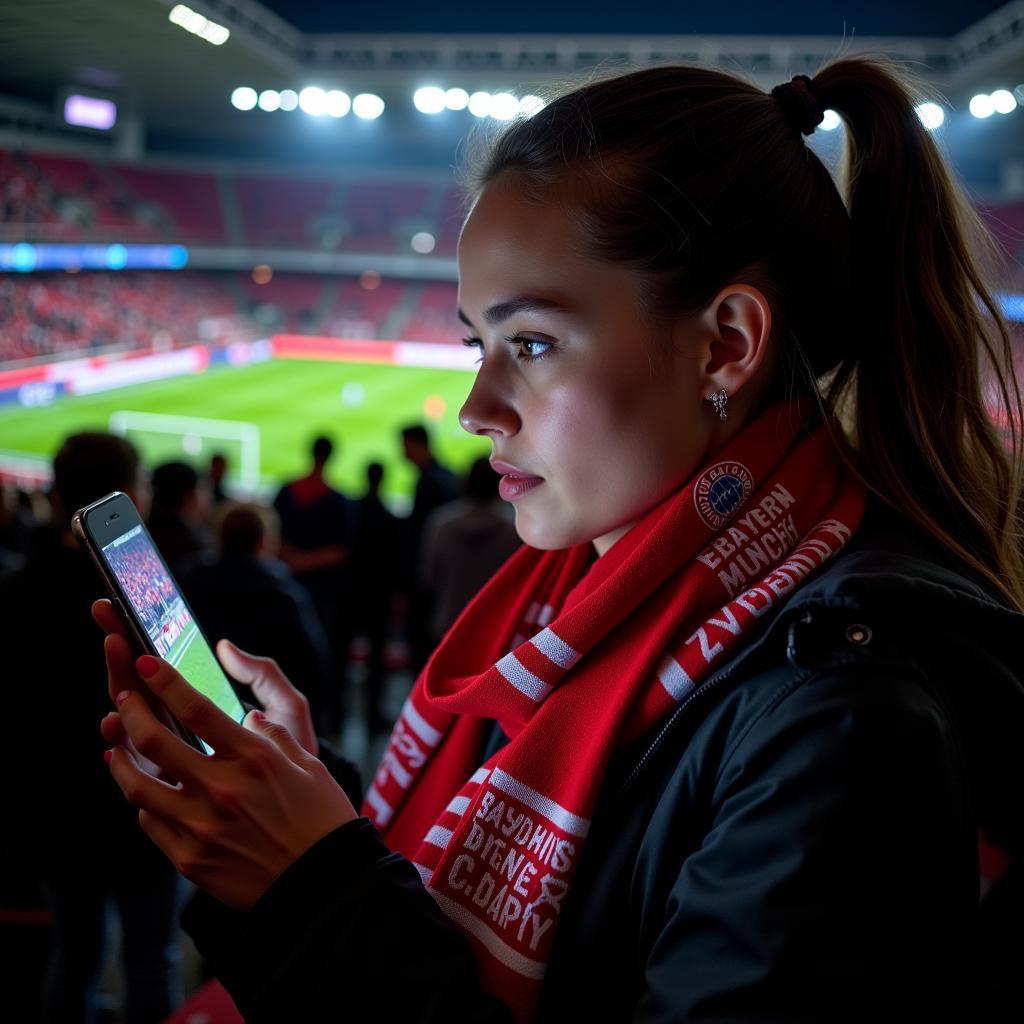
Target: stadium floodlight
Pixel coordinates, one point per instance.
(831, 121)
(456, 99)
(313, 101)
(368, 106)
(288, 99)
(422, 242)
(530, 105)
(270, 100)
(244, 98)
(337, 103)
(931, 115)
(194, 22)
(504, 106)
(429, 99)
(981, 105)
(480, 104)
(1003, 101)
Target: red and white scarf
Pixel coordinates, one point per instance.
(577, 658)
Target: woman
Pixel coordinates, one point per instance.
(716, 743)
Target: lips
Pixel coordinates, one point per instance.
(514, 482)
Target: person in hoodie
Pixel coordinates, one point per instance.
(464, 543)
(717, 742)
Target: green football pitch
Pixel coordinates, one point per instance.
(198, 664)
(361, 406)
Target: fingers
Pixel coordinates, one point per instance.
(120, 665)
(113, 731)
(191, 708)
(258, 723)
(264, 675)
(153, 740)
(140, 789)
(107, 618)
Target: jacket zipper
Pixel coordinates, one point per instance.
(705, 687)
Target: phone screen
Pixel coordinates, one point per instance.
(162, 611)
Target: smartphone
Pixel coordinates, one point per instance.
(150, 602)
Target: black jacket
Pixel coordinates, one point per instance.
(797, 843)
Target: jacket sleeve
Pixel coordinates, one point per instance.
(823, 888)
(347, 933)
(345, 772)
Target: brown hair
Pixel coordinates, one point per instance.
(695, 178)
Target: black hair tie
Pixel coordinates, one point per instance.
(801, 103)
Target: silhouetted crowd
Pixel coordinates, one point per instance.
(348, 597)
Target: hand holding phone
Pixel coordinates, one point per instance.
(234, 820)
(282, 702)
(149, 601)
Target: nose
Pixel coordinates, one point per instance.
(489, 409)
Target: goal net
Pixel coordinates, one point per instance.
(162, 437)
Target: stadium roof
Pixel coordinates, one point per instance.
(175, 87)
(642, 17)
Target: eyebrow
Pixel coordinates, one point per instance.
(502, 311)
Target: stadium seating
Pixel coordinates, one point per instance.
(294, 298)
(63, 198)
(47, 315)
(358, 312)
(183, 205)
(381, 217)
(85, 199)
(433, 318)
(282, 213)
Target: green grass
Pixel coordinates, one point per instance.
(291, 401)
(198, 664)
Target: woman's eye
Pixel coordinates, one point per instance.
(530, 348)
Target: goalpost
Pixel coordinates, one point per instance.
(192, 435)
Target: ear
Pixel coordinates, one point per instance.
(738, 325)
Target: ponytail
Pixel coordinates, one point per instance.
(930, 371)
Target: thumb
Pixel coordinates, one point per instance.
(258, 722)
(264, 675)
(245, 667)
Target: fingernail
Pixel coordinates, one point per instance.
(108, 756)
(147, 666)
(259, 716)
(122, 697)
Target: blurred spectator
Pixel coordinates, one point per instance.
(177, 519)
(376, 536)
(435, 486)
(217, 472)
(464, 544)
(245, 594)
(67, 823)
(16, 522)
(315, 540)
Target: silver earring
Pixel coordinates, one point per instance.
(718, 400)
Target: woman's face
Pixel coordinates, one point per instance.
(594, 412)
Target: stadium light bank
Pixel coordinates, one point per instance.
(199, 25)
